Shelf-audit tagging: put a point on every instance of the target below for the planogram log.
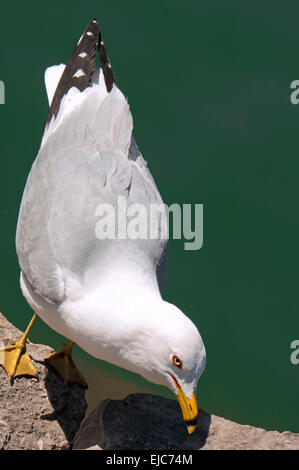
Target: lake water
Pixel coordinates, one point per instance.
(209, 87)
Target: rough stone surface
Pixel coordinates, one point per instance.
(145, 421)
(46, 414)
(37, 414)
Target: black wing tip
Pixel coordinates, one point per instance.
(106, 65)
(91, 32)
(81, 66)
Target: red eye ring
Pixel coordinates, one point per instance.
(177, 361)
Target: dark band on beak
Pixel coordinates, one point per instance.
(191, 422)
(188, 407)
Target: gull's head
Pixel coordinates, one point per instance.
(167, 349)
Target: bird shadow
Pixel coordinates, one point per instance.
(144, 421)
(141, 421)
(68, 403)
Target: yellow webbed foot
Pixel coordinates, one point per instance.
(64, 365)
(15, 360)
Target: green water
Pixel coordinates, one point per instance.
(209, 87)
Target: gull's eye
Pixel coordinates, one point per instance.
(177, 361)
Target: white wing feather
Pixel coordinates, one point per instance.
(82, 162)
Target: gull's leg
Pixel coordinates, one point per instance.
(64, 365)
(16, 360)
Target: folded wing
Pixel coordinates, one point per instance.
(87, 157)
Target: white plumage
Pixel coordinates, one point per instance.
(102, 294)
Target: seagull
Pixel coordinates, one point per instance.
(102, 294)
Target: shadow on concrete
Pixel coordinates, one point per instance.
(141, 421)
(68, 402)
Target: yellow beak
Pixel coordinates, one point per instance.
(188, 407)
